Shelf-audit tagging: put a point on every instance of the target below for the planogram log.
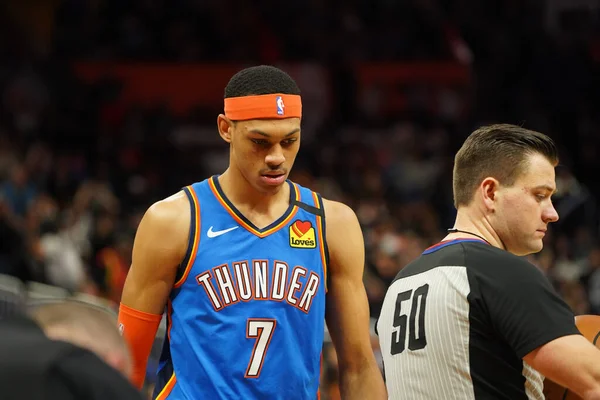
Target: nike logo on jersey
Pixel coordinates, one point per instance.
(213, 234)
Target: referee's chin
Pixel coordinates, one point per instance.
(532, 247)
(538, 245)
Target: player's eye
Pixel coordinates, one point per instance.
(260, 142)
(288, 142)
(541, 197)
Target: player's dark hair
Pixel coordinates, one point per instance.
(499, 151)
(261, 79)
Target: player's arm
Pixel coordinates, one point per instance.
(571, 361)
(347, 311)
(540, 326)
(159, 247)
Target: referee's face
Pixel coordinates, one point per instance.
(525, 209)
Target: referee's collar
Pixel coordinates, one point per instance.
(446, 243)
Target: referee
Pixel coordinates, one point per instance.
(471, 318)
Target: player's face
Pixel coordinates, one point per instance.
(264, 151)
(525, 209)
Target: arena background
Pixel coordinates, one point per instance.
(109, 105)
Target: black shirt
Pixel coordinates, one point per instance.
(457, 322)
(33, 367)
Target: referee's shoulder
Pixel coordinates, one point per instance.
(489, 259)
(485, 252)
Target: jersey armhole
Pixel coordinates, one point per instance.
(322, 232)
(193, 239)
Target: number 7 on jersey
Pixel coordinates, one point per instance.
(261, 330)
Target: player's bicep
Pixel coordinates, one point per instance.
(159, 247)
(347, 305)
(524, 308)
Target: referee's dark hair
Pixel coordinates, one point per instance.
(499, 151)
(261, 79)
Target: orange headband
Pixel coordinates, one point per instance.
(266, 106)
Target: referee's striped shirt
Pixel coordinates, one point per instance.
(457, 322)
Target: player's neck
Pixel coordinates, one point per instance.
(478, 228)
(243, 195)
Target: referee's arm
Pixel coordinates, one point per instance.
(571, 361)
(540, 326)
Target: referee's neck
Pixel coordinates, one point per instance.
(467, 226)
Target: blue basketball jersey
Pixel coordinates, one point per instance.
(245, 319)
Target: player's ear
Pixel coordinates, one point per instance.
(489, 192)
(225, 126)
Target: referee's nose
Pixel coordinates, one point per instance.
(550, 214)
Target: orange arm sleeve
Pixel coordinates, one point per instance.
(139, 330)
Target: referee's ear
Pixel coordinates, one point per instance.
(489, 192)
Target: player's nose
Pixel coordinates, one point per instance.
(275, 157)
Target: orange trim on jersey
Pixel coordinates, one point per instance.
(320, 374)
(196, 242)
(321, 240)
(240, 221)
(168, 388)
(171, 382)
(169, 318)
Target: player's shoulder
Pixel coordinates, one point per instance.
(338, 211)
(169, 207)
(343, 226)
(335, 211)
(168, 215)
(176, 203)
(344, 237)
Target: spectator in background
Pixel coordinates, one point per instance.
(112, 264)
(592, 279)
(19, 192)
(86, 326)
(65, 351)
(63, 262)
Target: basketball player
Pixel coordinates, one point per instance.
(244, 263)
(471, 318)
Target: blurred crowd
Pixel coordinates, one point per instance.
(78, 169)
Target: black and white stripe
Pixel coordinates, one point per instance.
(484, 310)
